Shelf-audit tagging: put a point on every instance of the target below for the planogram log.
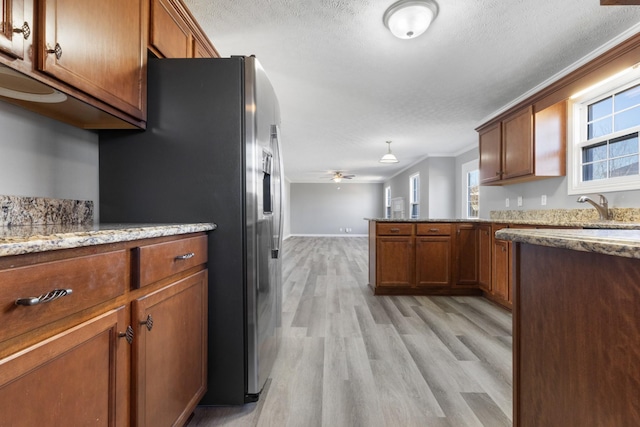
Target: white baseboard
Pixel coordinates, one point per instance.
(328, 235)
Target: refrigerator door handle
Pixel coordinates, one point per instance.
(278, 191)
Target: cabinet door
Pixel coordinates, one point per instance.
(99, 48)
(395, 261)
(169, 35)
(170, 351)
(490, 154)
(13, 28)
(501, 269)
(484, 258)
(76, 378)
(466, 249)
(433, 261)
(517, 144)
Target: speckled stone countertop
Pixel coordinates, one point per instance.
(624, 243)
(545, 222)
(18, 240)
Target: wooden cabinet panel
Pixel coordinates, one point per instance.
(466, 259)
(13, 28)
(169, 34)
(397, 229)
(395, 261)
(490, 162)
(517, 144)
(433, 261)
(550, 139)
(92, 280)
(576, 338)
(160, 260)
(500, 285)
(434, 229)
(170, 356)
(485, 248)
(101, 49)
(76, 378)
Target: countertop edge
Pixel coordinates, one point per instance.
(582, 224)
(101, 234)
(623, 243)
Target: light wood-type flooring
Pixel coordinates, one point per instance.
(349, 358)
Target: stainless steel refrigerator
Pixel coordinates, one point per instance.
(211, 153)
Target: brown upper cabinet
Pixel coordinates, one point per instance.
(99, 49)
(93, 54)
(14, 30)
(174, 33)
(524, 146)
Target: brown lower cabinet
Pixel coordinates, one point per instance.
(423, 258)
(127, 355)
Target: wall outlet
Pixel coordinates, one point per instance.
(519, 200)
(543, 200)
(348, 230)
(341, 229)
(506, 202)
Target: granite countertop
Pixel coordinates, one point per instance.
(23, 239)
(624, 243)
(596, 224)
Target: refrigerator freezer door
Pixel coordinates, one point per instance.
(263, 184)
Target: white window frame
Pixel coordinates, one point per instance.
(414, 195)
(387, 202)
(577, 129)
(464, 190)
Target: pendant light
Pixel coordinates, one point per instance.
(389, 157)
(407, 19)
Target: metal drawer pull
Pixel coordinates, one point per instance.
(48, 297)
(434, 230)
(394, 230)
(185, 256)
(148, 322)
(128, 334)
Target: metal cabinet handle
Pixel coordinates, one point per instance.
(148, 322)
(57, 50)
(25, 30)
(48, 297)
(127, 334)
(434, 230)
(394, 230)
(185, 256)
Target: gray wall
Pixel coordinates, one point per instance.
(437, 187)
(322, 209)
(41, 157)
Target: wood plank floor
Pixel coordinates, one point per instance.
(349, 358)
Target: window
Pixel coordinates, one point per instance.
(414, 195)
(605, 152)
(387, 202)
(470, 190)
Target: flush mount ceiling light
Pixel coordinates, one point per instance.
(407, 19)
(389, 157)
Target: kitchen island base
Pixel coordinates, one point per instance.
(576, 338)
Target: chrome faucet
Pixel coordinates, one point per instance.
(602, 208)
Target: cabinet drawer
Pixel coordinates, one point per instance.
(394, 229)
(434, 229)
(93, 279)
(155, 262)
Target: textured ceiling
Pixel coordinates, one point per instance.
(346, 85)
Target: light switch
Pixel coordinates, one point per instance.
(506, 202)
(519, 200)
(543, 200)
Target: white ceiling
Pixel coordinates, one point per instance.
(346, 85)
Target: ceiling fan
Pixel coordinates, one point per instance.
(339, 176)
